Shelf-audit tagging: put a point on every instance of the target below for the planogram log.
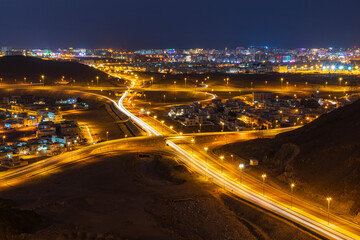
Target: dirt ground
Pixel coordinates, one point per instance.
(122, 197)
(98, 121)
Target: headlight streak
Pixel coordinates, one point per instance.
(222, 180)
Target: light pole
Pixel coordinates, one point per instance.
(206, 149)
(328, 199)
(222, 123)
(232, 157)
(107, 135)
(199, 127)
(282, 80)
(222, 164)
(97, 80)
(241, 166)
(340, 79)
(292, 192)
(164, 97)
(185, 82)
(162, 129)
(263, 178)
(192, 148)
(3, 137)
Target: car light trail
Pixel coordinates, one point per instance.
(311, 222)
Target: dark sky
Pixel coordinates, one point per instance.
(135, 24)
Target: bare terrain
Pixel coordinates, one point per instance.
(122, 197)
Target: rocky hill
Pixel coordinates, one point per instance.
(323, 157)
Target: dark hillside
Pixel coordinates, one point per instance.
(323, 157)
(20, 67)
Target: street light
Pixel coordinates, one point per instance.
(222, 164)
(340, 79)
(292, 191)
(328, 199)
(107, 135)
(241, 166)
(206, 149)
(164, 97)
(97, 80)
(222, 123)
(3, 137)
(263, 178)
(192, 149)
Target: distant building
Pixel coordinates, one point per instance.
(280, 69)
(12, 161)
(69, 128)
(46, 129)
(261, 97)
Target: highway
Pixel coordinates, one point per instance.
(204, 164)
(314, 223)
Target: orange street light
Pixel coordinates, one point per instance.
(222, 164)
(206, 149)
(292, 191)
(263, 176)
(328, 199)
(241, 167)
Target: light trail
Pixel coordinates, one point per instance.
(309, 221)
(89, 133)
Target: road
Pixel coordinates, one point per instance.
(337, 229)
(194, 157)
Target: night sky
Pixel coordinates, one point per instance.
(135, 24)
